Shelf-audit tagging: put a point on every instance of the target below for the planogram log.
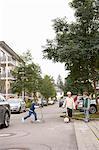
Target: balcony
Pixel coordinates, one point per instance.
(4, 76)
(3, 60)
(10, 61)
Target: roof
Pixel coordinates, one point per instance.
(10, 51)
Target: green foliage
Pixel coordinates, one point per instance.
(47, 88)
(77, 87)
(28, 103)
(27, 57)
(28, 77)
(60, 83)
(77, 44)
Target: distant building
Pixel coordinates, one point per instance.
(59, 93)
(8, 61)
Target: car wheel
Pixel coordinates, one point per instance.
(19, 110)
(6, 120)
(93, 109)
(25, 109)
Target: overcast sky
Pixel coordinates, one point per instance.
(26, 24)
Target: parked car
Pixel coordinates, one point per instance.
(40, 103)
(93, 106)
(17, 105)
(4, 112)
(51, 102)
(44, 102)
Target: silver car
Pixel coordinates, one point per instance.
(17, 105)
(4, 112)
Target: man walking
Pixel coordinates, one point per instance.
(69, 104)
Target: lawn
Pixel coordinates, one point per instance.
(92, 116)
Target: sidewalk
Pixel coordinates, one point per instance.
(87, 135)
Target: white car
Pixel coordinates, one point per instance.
(93, 106)
(51, 102)
(17, 105)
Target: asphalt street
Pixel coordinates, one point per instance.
(50, 134)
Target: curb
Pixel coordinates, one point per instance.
(92, 119)
(78, 118)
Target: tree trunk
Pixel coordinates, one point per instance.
(35, 96)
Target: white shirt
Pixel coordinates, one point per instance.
(69, 103)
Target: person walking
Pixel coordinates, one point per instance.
(97, 101)
(31, 111)
(86, 106)
(69, 105)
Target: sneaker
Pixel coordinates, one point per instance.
(37, 120)
(23, 120)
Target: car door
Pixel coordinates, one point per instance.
(2, 110)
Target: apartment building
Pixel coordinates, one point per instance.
(8, 61)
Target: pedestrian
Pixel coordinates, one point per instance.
(31, 111)
(86, 106)
(97, 101)
(69, 104)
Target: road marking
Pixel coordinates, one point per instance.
(6, 134)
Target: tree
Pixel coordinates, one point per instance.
(33, 78)
(60, 83)
(76, 87)
(27, 77)
(47, 88)
(27, 57)
(2, 85)
(77, 44)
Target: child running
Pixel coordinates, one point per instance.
(31, 111)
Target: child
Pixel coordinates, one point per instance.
(69, 104)
(31, 111)
(86, 106)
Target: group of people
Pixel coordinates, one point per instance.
(69, 106)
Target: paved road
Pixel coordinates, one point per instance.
(52, 134)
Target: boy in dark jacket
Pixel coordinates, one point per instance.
(31, 111)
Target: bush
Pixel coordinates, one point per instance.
(28, 103)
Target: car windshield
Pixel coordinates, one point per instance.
(2, 98)
(13, 101)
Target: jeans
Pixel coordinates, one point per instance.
(86, 112)
(30, 113)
